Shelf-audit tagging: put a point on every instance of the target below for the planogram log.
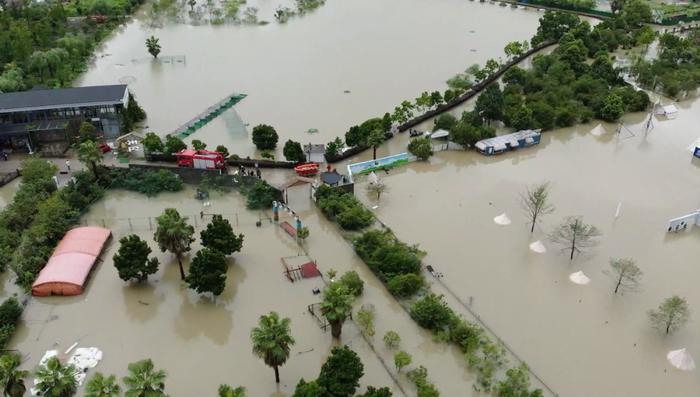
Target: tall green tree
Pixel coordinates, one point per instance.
(489, 104)
(336, 306)
(174, 234)
(535, 203)
(11, 376)
(152, 143)
(341, 372)
(208, 272)
(144, 380)
(293, 151)
(671, 314)
(55, 379)
(90, 155)
(374, 139)
(401, 359)
(272, 341)
(102, 386)
(132, 260)
(219, 236)
(265, 137)
(153, 46)
(575, 235)
(198, 145)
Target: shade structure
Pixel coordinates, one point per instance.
(502, 219)
(538, 247)
(71, 262)
(681, 359)
(598, 130)
(579, 278)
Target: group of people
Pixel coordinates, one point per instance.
(254, 172)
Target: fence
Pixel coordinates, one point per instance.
(148, 223)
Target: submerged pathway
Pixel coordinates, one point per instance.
(208, 115)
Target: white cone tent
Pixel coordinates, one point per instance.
(579, 278)
(681, 359)
(598, 130)
(372, 177)
(502, 219)
(538, 247)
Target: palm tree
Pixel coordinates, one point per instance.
(174, 234)
(55, 379)
(91, 155)
(336, 306)
(228, 391)
(272, 340)
(101, 386)
(11, 377)
(144, 381)
(375, 139)
(153, 46)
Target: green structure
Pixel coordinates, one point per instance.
(208, 115)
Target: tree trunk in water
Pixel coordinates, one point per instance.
(374, 152)
(182, 270)
(619, 281)
(336, 328)
(277, 374)
(534, 219)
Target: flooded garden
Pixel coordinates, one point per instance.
(313, 77)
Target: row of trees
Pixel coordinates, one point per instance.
(575, 236)
(40, 46)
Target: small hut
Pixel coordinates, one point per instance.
(296, 193)
(315, 153)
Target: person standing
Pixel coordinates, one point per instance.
(68, 165)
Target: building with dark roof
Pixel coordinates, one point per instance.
(45, 118)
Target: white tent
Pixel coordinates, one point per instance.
(538, 247)
(598, 130)
(681, 359)
(579, 278)
(372, 178)
(502, 219)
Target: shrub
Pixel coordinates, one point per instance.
(293, 151)
(405, 285)
(173, 144)
(355, 218)
(353, 282)
(392, 340)
(223, 150)
(387, 256)
(10, 312)
(445, 121)
(148, 182)
(260, 195)
(432, 312)
(344, 208)
(152, 143)
(421, 148)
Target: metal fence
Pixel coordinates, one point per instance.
(135, 224)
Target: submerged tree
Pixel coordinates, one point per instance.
(377, 188)
(272, 341)
(55, 379)
(11, 376)
(402, 359)
(293, 151)
(535, 203)
(219, 236)
(228, 391)
(392, 340)
(625, 273)
(144, 380)
(208, 272)
(102, 386)
(153, 46)
(174, 234)
(341, 372)
(132, 260)
(575, 235)
(336, 306)
(671, 314)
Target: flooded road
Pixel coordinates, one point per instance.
(295, 74)
(582, 340)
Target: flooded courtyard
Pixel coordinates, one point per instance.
(580, 340)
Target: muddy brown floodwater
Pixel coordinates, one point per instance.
(582, 340)
(295, 74)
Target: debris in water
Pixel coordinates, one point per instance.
(538, 247)
(502, 219)
(346, 91)
(681, 359)
(579, 278)
(144, 303)
(374, 207)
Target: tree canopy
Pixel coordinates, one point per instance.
(208, 272)
(132, 260)
(219, 236)
(341, 372)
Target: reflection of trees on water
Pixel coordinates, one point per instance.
(141, 300)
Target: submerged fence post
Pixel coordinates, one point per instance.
(236, 218)
(150, 226)
(131, 227)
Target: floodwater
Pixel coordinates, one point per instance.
(7, 192)
(295, 74)
(200, 342)
(582, 340)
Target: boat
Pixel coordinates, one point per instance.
(307, 169)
